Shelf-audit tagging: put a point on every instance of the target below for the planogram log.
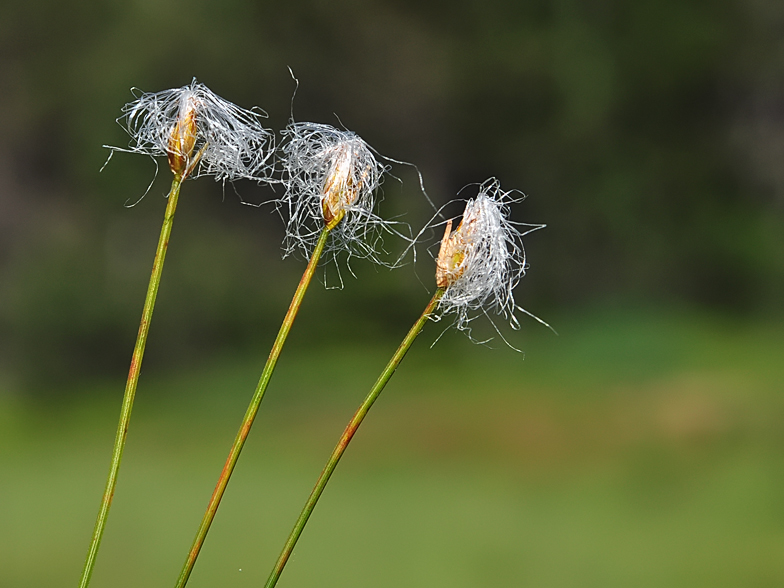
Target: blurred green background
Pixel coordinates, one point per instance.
(642, 446)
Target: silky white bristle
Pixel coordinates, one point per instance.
(491, 257)
(320, 164)
(232, 141)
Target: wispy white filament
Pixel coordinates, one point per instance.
(320, 161)
(234, 142)
(493, 259)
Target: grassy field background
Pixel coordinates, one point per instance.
(639, 447)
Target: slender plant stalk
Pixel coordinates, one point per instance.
(253, 408)
(345, 439)
(133, 380)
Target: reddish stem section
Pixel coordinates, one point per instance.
(250, 414)
(133, 380)
(346, 437)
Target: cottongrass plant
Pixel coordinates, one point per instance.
(477, 267)
(316, 153)
(200, 134)
(330, 179)
(480, 264)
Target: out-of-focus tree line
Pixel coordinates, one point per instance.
(648, 135)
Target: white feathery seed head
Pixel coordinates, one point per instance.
(200, 133)
(330, 177)
(480, 263)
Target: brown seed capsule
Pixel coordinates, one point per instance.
(341, 188)
(449, 265)
(182, 141)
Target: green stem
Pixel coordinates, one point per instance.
(133, 380)
(345, 439)
(250, 414)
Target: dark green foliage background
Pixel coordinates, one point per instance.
(645, 133)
